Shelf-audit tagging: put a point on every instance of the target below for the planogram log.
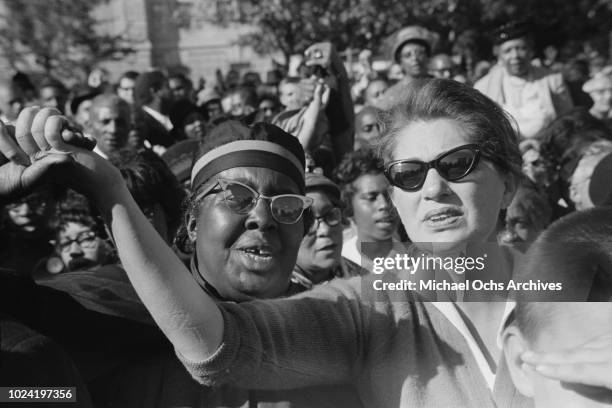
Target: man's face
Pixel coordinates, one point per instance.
(413, 59)
(374, 93)
(290, 96)
(126, 90)
(52, 97)
(441, 66)
(367, 128)
(567, 326)
(178, 89)
(110, 127)
(79, 246)
(515, 56)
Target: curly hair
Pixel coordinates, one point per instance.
(354, 165)
(151, 182)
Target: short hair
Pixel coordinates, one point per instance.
(144, 83)
(354, 165)
(108, 100)
(50, 82)
(485, 122)
(575, 251)
(151, 182)
(247, 93)
(76, 208)
(129, 75)
(289, 80)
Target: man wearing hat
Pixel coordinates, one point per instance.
(411, 50)
(532, 95)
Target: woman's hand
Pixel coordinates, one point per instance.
(589, 364)
(44, 148)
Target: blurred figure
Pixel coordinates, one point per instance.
(319, 258)
(180, 87)
(581, 177)
(290, 93)
(532, 95)
(25, 232)
(153, 101)
(125, 88)
(575, 74)
(210, 101)
(599, 89)
(154, 187)
(110, 123)
(441, 66)
(375, 93)
(365, 196)
(239, 102)
(527, 216)
(78, 242)
(80, 107)
(53, 94)
(367, 129)
(188, 121)
(269, 106)
(411, 50)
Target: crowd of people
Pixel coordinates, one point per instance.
(172, 245)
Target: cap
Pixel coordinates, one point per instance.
(416, 34)
(319, 181)
(511, 31)
(600, 81)
(600, 187)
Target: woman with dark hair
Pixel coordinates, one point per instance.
(452, 157)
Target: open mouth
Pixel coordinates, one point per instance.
(257, 252)
(443, 217)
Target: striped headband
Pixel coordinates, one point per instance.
(247, 153)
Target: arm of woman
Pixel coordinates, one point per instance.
(187, 316)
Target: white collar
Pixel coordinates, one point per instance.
(163, 119)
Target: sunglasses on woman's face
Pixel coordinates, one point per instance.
(410, 175)
(241, 199)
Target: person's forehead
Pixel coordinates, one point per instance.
(371, 183)
(515, 42)
(49, 91)
(71, 229)
(321, 199)
(442, 62)
(411, 47)
(426, 140)
(264, 180)
(127, 83)
(112, 110)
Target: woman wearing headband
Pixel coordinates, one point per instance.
(452, 157)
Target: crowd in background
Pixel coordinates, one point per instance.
(152, 124)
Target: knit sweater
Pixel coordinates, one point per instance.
(396, 350)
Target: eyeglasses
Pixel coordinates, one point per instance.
(240, 198)
(331, 218)
(86, 239)
(410, 175)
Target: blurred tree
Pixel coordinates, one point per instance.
(60, 35)
(463, 26)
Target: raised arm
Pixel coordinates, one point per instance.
(39, 153)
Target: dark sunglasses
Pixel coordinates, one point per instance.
(241, 199)
(409, 175)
